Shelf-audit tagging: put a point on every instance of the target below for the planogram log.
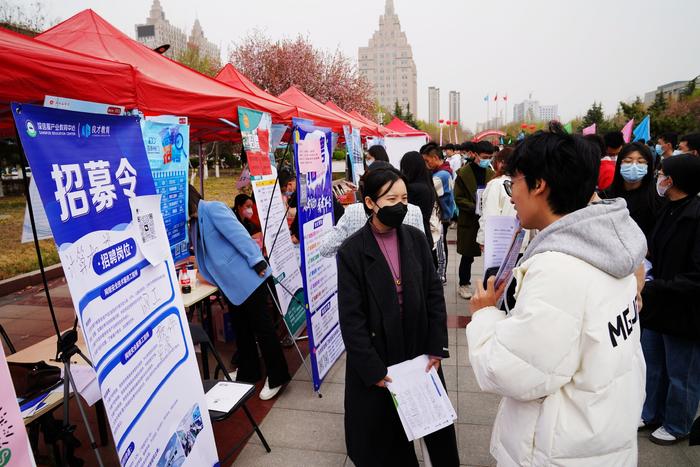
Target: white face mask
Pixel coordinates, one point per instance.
(661, 188)
(247, 213)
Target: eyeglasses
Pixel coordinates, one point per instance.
(508, 185)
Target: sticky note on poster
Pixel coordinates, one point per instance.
(309, 154)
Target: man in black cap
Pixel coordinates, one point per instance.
(671, 315)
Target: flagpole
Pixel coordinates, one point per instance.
(488, 111)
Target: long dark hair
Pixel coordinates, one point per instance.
(618, 184)
(413, 167)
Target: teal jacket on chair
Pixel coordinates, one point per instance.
(226, 253)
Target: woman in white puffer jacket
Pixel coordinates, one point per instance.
(567, 358)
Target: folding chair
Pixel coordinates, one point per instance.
(199, 336)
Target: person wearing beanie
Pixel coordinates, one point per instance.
(671, 315)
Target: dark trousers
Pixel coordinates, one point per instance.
(673, 381)
(252, 322)
(465, 270)
(445, 228)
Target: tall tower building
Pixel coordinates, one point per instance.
(158, 31)
(206, 48)
(433, 105)
(387, 63)
(454, 106)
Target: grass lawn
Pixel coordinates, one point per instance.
(18, 258)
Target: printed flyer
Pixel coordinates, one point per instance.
(271, 210)
(167, 144)
(313, 149)
(353, 143)
(98, 192)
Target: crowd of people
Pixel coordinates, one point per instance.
(602, 315)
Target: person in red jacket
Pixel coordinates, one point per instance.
(613, 145)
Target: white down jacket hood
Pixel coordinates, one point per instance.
(567, 359)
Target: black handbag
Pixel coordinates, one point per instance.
(32, 379)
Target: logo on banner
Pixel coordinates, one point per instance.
(31, 129)
(84, 130)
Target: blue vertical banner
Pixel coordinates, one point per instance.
(168, 148)
(353, 143)
(95, 182)
(313, 162)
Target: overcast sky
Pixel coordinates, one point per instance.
(565, 53)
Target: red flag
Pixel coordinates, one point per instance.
(495, 98)
(505, 98)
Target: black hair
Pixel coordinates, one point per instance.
(469, 146)
(240, 200)
(614, 139)
(413, 167)
(670, 137)
(244, 156)
(598, 140)
(378, 153)
(484, 147)
(617, 185)
(693, 140)
(375, 178)
(193, 200)
(286, 176)
(431, 149)
(568, 163)
(449, 147)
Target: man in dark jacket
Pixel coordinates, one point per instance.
(470, 183)
(671, 314)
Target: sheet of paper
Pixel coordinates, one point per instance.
(309, 153)
(225, 395)
(420, 398)
(498, 235)
(479, 194)
(86, 382)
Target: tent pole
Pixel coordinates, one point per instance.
(201, 170)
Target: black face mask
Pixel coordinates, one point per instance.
(392, 216)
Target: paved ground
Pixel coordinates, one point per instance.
(304, 430)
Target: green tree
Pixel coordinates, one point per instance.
(593, 115)
(635, 110)
(658, 106)
(689, 89)
(409, 118)
(204, 64)
(398, 111)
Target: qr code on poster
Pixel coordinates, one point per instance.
(147, 227)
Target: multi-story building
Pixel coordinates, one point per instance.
(387, 62)
(494, 123)
(454, 106)
(158, 31)
(549, 112)
(205, 47)
(433, 104)
(670, 91)
(531, 111)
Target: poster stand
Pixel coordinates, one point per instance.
(65, 347)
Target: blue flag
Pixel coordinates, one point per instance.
(486, 98)
(643, 130)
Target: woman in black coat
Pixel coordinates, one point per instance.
(392, 309)
(671, 315)
(421, 191)
(634, 182)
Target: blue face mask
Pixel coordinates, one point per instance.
(484, 163)
(659, 150)
(633, 172)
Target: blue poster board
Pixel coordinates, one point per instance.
(320, 274)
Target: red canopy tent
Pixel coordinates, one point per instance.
(399, 126)
(231, 76)
(32, 70)
(368, 128)
(163, 86)
(382, 130)
(297, 97)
